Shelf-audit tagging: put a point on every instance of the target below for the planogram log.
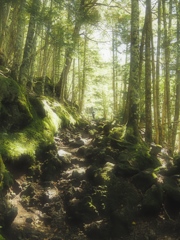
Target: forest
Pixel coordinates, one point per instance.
(89, 119)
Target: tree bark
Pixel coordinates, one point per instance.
(28, 49)
(148, 114)
(133, 115)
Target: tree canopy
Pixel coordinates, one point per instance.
(117, 58)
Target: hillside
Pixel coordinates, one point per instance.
(66, 178)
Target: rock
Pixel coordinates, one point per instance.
(79, 173)
(125, 170)
(152, 200)
(82, 151)
(143, 180)
(15, 109)
(77, 143)
(9, 215)
(51, 194)
(100, 176)
(82, 210)
(64, 156)
(172, 189)
(97, 230)
(155, 149)
(121, 205)
(29, 220)
(177, 161)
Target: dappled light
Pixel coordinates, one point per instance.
(89, 120)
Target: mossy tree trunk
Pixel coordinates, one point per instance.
(5, 7)
(157, 122)
(84, 75)
(28, 49)
(177, 101)
(148, 100)
(166, 115)
(133, 91)
(19, 43)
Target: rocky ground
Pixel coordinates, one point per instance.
(82, 188)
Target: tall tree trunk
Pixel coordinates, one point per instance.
(68, 60)
(26, 62)
(18, 46)
(177, 102)
(158, 128)
(133, 115)
(148, 114)
(84, 75)
(4, 16)
(141, 81)
(73, 83)
(114, 72)
(166, 120)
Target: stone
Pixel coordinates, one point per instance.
(64, 156)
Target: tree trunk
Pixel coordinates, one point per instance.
(166, 119)
(148, 115)
(133, 115)
(177, 102)
(18, 46)
(84, 76)
(68, 60)
(4, 16)
(158, 128)
(26, 62)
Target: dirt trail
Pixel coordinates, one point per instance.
(50, 209)
(39, 218)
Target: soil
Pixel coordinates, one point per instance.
(43, 210)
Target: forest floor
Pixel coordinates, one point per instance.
(48, 208)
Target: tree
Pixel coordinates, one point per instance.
(156, 97)
(31, 36)
(18, 49)
(177, 86)
(84, 13)
(148, 114)
(133, 91)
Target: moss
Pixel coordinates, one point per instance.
(141, 157)
(5, 176)
(1, 237)
(107, 171)
(27, 123)
(39, 132)
(15, 110)
(117, 133)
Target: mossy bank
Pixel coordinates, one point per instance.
(28, 123)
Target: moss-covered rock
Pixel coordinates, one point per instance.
(152, 200)
(143, 180)
(5, 176)
(15, 111)
(100, 176)
(8, 213)
(124, 169)
(172, 189)
(38, 133)
(121, 205)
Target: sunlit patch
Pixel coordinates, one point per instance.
(52, 115)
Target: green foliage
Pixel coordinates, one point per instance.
(2, 238)
(5, 177)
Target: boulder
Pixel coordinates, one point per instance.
(152, 200)
(143, 180)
